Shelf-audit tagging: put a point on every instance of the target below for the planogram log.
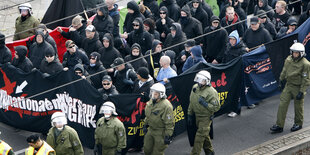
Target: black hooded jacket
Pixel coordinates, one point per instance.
(283, 30)
(178, 38)
(153, 58)
(36, 51)
(79, 57)
(145, 88)
(108, 55)
(138, 63)
(190, 26)
(214, 44)
(22, 62)
(92, 45)
(52, 67)
(304, 16)
(51, 41)
(200, 14)
(265, 7)
(96, 79)
(153, 6)
(131, 17)
(124, 79)
(140, 36)
(164, 28)
(103, 24)
(268, 25)
(254, 38)
(173, 9)
(5, 53)
(108, 92)
(77, 36)
(234, 52)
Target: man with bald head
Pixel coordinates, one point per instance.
(166, 71)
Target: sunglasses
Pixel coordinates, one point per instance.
(93, 58)
(106, 84)
(78, 73)
(196, 2)
(49, 56)
(135, 25)
(162, 13)
(71, 47)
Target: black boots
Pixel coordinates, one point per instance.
(276, 129)
(296, 127)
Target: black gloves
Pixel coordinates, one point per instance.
(145, 129)
(203, 102)
(98, 149)
(299, 96)
(168, 140)
(29, 42)
(282, 85)
(190, 120)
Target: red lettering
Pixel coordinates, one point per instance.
(35, 114)
(223, 79)
(213, 84)
(218, 83)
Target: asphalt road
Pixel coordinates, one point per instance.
(231, 135)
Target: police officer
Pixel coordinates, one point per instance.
(295, 80)
(37, 146)
(110, 134)
(204, 102)
(159, 121)
(62, 137)
(5, 149)
(25, 24)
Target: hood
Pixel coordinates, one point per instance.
(235, 35)
(213, 18)
(164, 8)
(179, 31)
(133, 6)
(39, 32)
(2, 40)
(97, 56)
(80, 67)
(141, 27)
(171, 55)
(155, 43)
(104, 9)
(150, 22)
(187, 10)
(265, 3)
(291, 20)
(197, 51)
(21, 51)
(109, 37)
(135, 45)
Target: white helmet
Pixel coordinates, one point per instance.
(298, 47)
(58, 118)
(108, 107)
(203, 76)
(25, 6)
(160, 88)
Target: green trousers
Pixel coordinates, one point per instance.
(290, 92)
(154, 143)
(202, 138)
(108, 151)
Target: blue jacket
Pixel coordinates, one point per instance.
(190, 61)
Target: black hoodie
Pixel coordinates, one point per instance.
(92, 45)
(131, 17)
(166, 27)
(124, 79)
(178, 38)
(155, 57)
(200, 14)
(153, 6)
(283, 30)
(77, 36)
(255, 38)
(96, 79)
(265, 7)
(50, 67)
(5, 53)
(36, 51)
(103, 24)
(173, 9)
(22, 62)
(108, 55)
(137, 63)
(140, 36)
(84, 72)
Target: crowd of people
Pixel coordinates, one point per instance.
(132, 61)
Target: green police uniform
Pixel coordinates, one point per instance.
(67, 141)
(203, 116)
(296, 73)
(20, 26)
(160, 119)
(111, 135)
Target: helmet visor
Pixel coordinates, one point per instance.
(200, 79)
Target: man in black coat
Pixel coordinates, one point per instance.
(266, 23)
(38, 48)
(199, 13)
(281, 16)
(103, 22)
(124, 76)
(50, 64)
(263, 5)
(180, 60)
(133, 13)
(292, 26)
(143, 83)
(140, 36)
(163, 23)
(114, 13)
(5, 53)
(190, 26)
(91, 43)
(256, 35)
(73, 56)
(20, 60)
(175, 37)
(95, 66)
(47, 37)
(76, 31)
(214, 44)
(134, 55)
(173, 9)
(108, 89)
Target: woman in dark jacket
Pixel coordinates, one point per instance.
(136, 53)
(95, 66)
(133, 13)
(50, 64)
(37, 49)
(149, 26)
(20, 60)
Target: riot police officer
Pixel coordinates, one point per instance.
(110, 134)
(294, 80)
(62, 138)
(159, 121)
(204, 102)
